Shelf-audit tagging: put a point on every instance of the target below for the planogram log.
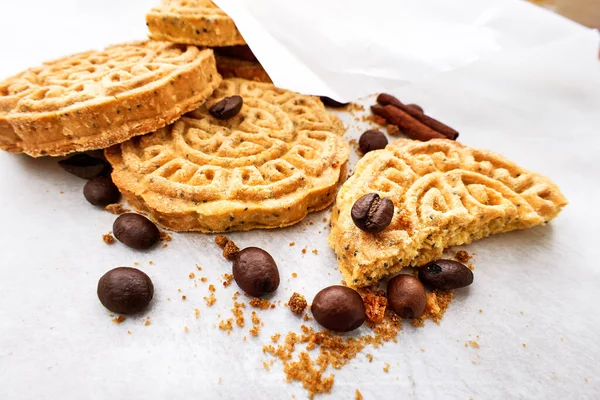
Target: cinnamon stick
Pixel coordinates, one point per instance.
(409, 125)
(387, 99)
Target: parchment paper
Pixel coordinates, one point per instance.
(532, 307)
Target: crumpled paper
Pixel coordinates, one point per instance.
(345, 49)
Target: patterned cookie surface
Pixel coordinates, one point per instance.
(445, 194)
(95, 99)
(281, 157)
(198, 22)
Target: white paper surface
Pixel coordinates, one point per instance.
(382, 44)
(537, 287)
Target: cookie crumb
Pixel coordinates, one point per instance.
(227, 279)
(375, 307)
(226, 325)
(230, 250)
(184, 297)
(292, 244)
(315, 251)
(304, 250)
(297, 303)
(262, 304)
(165, 236)
(524, 345)
(437, 304)
(386, 368)
(221, 240)
(462, 256)
(119, 320)
(211, 287)
(275, 337)
(128, 332)
(185, 329)
(199, 268)
(204, 279)
(358, 395)
(147, 323)
(192, 275)
(294, 275)
(392, 130)
(196, 313)
(116, 209)
(210, 300)
(473, 344)
(369, 357)
(108, 238)
(238, 313)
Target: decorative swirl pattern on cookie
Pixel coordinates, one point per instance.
(95, 99)
(198, 22)
(445, 194)
(281, 157)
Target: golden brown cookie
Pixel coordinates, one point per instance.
(281, 157)
(96, 99)
(445, 194)
(198, 22)
(230, 67)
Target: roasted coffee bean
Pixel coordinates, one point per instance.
(406, 296)
(227, 108)
(125, 290)
(85, 166)
(445, 275)
(372, 140)
(372, 213)
(136, 231)
(416, 107)
(338, 308)
(101, 191)
(255, 271)
(329, 102)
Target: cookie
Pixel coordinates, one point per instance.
(198, 22)
(445, 194)
(230, 67)
(281, 157)
(96, 99)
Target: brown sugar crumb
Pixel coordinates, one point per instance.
(221, 241)
(262, 304)
(524, 345)
(369, 357)
(392, 130)
(437, 304)
(462, 256)
(375, 119)
(211, 287)
(255, 330)
(292, 244)
(136, 263)
(116, 209)
(304, 250)
(119, 320)
(297, 303)
(294, 275)
(147, 323)
(386, 368)
(151, 262)
(358, 395)
(199, 268)
(210, 300)
(315, 251)
(255, 318)
(185, 329)
(227, 279)
(306, 317)
(204, 279)
(238, 313)
(184, 297)
(235, 295)
(129, 332)
(375, 307)
(192, 275)
(108, 238)
(196, 313)
(473, 344)
(226, 325)
(275, 337)
(165, 236)
(230, 250)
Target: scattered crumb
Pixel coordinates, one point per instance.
(315, 251)
(473, 344)
(235, 295)
(294, 275)
(221, 241)
(184, 297)
(255, 318)
(304, 250)
(116, 209)
(306, 317)
(462, 256)
(524, 345)
(369, 357)
(480, 310)
(422, 350)
(226, 325)
(255, 330)
(586, 379)
(358, 395)
(119, 320)
(165, 236)
(211, 287)
(185, 329)
(292, 244)
(129, 332)
(147, 323)
(227, 279)
(136, 263)
(297, 303)
(197, 313)
(204, 279)
(386, 368)
(151, 262)
(108, 238)
(437, 304)
(392, 130)
(210, 300)
(375, 307)
(262, 304)
(522, 313)
(324, 219)
(238, 313)
(192, 275)
(230, 250)
(275, 337)
(199, 268)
